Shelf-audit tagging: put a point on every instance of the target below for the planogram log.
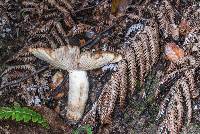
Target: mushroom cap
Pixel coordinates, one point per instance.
(94, 60)
(69, 58)
(63, 58)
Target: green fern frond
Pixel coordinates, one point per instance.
(86, 128)
(24, 114)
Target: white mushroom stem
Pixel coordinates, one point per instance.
(78, 94)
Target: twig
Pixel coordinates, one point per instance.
(92, 42)
(25, 78)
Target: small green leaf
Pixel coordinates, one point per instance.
(34, 118)
(45, 124)
(13, 116)
(89, 130)
(7, 114)
(27, 117)
(86, 128)
(2, 115)
(40, 119)
(26, 110)
(18, 116)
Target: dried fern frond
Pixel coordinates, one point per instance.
(51, 32)
(145, 45)
(90, 116)
(19, 67)
(189, 74)
(79, 29)
(186, 93)
(166, 19)
(180, 108)
(182, 93)
(169, 10)
(114, 88)
(21, 58)
(137, 45)
(62, 6)
(183, 90)
(107, 99)
(9, 19)
(123, 83)
(43, 28)
(132, 71)
(32, 7)
(171, 118)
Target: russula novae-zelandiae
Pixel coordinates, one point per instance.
(76, 63)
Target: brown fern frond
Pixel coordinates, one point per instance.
(180, 109)
(107, 99)
(153, 39)
(181, 92)
(189, 74)
(138, 53)
(62, 6)
(169, 11)
(174, 116)
(123, 83)
(171, 118)
(146, 48)
(79, 29)
(51, 14)
(132, 71)
(90, 116)
(19, 67)
(61, 30)
(31, 7)
(42, 40)
(43, 28)
(137, 45)
(164, 104)
(163, 127)
(166, 19)
(21, 58)
(147, 55)
(13, 73)
(57, 38)
(172, 75)
(186, 93)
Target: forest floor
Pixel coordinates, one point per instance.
(96, 33)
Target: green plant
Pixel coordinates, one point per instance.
(24, 114)
(86, 128)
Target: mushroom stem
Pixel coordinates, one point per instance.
(78, 94)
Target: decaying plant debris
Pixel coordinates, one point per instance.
(153, 89)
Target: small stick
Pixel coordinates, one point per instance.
(25, 78)
(92, 42)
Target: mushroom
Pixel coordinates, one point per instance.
(76, 63)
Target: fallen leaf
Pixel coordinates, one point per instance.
(173, 52)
